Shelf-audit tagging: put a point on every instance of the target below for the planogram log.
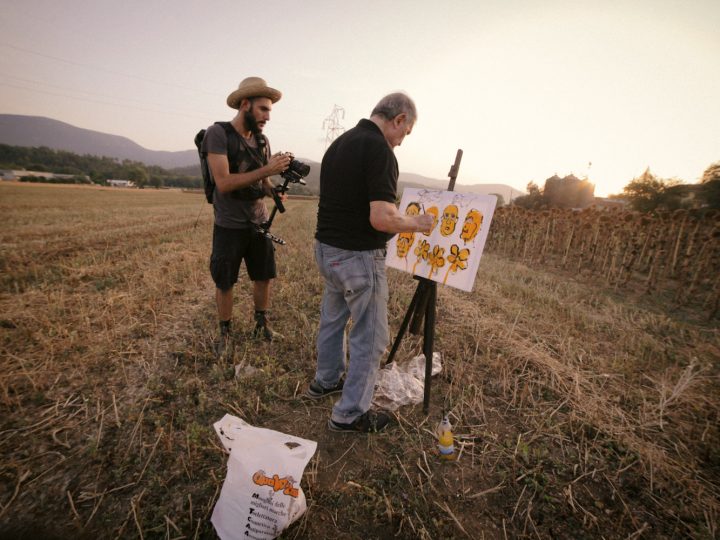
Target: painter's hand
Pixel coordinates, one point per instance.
(425, 223)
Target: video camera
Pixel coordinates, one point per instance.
(296, 171)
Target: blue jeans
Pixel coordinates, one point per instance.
(355, 286)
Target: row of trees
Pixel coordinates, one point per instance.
(645, 193)
(99, 169)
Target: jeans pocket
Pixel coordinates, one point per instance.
(349, 272)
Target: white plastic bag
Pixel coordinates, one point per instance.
(403, 384)
(261, 495)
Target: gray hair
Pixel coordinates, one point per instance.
(393, 104)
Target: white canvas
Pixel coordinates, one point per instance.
(451, 253)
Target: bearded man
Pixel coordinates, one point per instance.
(240, 161)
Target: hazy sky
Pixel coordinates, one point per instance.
(526, 88)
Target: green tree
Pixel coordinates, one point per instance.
(647, 192)
(710, 193)
(533, 200)
(138, 175)
(710, 186)
(712, 173)
(97, 168)
(156, 181)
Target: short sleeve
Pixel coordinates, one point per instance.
(215, 140)
(382, 173)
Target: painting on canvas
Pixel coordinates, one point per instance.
(451, 253)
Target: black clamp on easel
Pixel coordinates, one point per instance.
(423, 305)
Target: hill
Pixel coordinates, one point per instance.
(418, 181)
(413, 181)
(34, 131)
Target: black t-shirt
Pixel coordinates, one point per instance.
(359, 167)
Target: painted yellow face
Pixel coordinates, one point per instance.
(433, 211)
(449, 219)
(413, 209)
(404, 242)
(473, 222)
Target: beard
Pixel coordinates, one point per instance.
(251, 123)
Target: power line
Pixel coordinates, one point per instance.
(91, 97)
(89, 100)
(104, 70)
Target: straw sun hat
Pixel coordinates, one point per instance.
(252, 87)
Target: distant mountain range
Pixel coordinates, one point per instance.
(17, 130)
(33, 131)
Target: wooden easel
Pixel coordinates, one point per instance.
(423, 305)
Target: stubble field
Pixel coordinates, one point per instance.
(580, 411)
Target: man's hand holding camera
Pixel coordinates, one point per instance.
(278, 163)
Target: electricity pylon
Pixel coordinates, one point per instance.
(332, 126)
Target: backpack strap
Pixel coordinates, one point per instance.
(238, 145)
(233, 146)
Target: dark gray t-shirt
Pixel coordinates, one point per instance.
(231, 211)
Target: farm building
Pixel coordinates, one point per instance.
(119, 183)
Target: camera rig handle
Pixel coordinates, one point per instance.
(276, 192)
(289, 176)
(260, 229)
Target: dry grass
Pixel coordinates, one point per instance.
(579, 413)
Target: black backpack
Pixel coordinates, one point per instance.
(234, 154)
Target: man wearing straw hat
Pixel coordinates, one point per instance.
(239, 159)
(356, 217)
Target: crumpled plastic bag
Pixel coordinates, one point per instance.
(261, 495)
(403, 384)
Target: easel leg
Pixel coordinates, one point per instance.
(420, 309)
(419, 293)
(428, 342)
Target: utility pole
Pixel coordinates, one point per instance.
(332, 126)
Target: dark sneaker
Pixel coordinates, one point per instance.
(370, 422)
(315, 391)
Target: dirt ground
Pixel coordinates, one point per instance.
(579, 411)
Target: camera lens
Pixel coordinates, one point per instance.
(299, 167)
